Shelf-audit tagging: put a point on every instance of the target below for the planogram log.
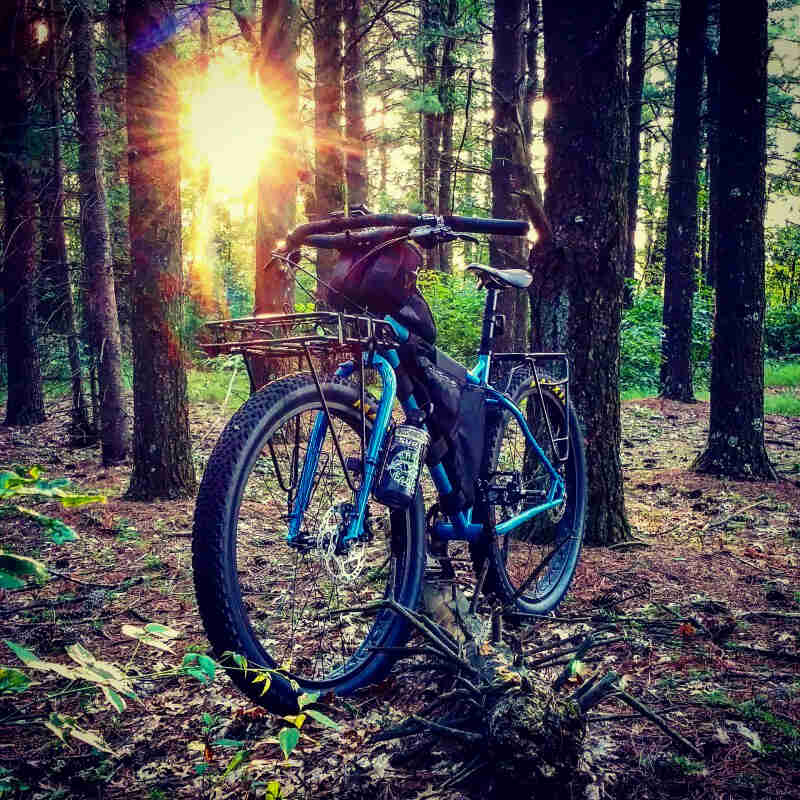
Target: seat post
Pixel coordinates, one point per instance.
(487, 331)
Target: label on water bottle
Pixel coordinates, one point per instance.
(397, 484)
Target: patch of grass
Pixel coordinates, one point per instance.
(125, 531)
(785, 403)
(636, 394)
(211, 386)
(782, 373)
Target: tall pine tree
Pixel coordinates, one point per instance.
(162, 459)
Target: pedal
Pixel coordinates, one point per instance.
(353, 464)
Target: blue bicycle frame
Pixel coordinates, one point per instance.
(460, 527)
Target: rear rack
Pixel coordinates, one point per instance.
(291, 335)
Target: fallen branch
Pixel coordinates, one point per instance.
(659, 722)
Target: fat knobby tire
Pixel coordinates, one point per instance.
(497, 581)
(217, 587)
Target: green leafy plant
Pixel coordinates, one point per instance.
(29, 482)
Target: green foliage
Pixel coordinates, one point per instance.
(457, 306)
(640, 344)
(782, 331)
(29, 482)
(14, 568)
(424, 102)
(13, 681)
(199, 666)
(215, 379)
(640, 357)
(10, 785)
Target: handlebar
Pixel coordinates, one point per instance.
(335, 232)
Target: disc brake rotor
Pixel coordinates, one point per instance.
(343, 561)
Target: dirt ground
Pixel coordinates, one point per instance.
(706, 601)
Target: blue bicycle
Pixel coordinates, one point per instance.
(311, 508)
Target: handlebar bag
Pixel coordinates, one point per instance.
(381, 282)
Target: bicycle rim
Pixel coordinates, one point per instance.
(536, 560)
(298, 599)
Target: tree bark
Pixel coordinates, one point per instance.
(430, 23)
(162, 460)
(277, 178)
(681, 248)
(635, 86)
(586, 132)
(101, 304)
(531, 71)
(736, 426)
(510, 169)
(447, 99)
(328, 155)
(713, 81)
(25, 404)
(355, 130)
(54, 257)
(117, 170)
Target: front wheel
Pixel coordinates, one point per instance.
(532, 566)
(287, 605)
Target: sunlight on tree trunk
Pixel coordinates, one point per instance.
(329, 184)
(162, 460)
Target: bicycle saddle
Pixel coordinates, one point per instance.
(502, 278)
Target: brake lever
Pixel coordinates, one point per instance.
(428, 236)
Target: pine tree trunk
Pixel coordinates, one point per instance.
(101, 304)
(24, 405)
(713, 82)
(54, 258)
(162, 459)
(509, 157)
(328, 155)
(681, 248)
(447, 99)
(274, 285)
(116, 147)
(635, 86)
(355, 131)
(430, 24)
(586, 132)
(531, 71)
(736, 426)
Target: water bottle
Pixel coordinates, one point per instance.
(405, 455)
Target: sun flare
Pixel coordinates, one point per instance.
(228, 126)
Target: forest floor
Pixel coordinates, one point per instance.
(713, 579)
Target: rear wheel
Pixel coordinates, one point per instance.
(533, 564)
(284, 606)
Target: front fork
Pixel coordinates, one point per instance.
(373, 450)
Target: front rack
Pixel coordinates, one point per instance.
(292, 335)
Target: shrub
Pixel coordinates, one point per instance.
(457, 306)
(782, 331)
(640, 345)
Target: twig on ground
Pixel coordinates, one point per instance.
(659, 722)
(456, 733)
